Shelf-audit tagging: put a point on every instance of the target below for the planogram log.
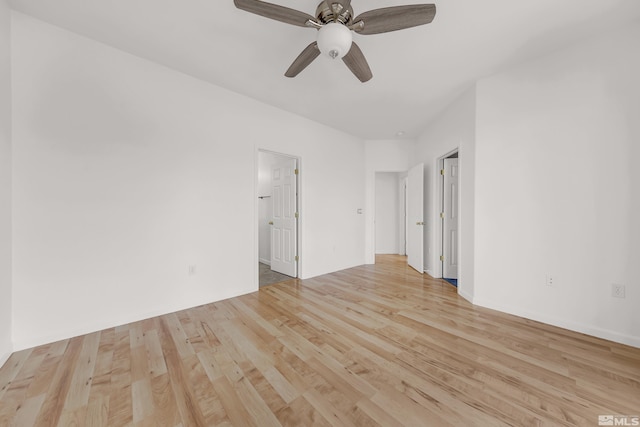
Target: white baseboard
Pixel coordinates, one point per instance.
(571, 325)
(88, 328)
(265, 261)
(465, 295)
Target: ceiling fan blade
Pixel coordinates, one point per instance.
(393, 18)
(307, 56)
(274, 11)
(357, 63)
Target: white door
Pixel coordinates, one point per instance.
(415, 218)
(284, 223)
(450, 219)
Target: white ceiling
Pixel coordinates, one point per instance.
(416, 72)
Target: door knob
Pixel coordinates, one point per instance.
(270, 222)
(419, 223)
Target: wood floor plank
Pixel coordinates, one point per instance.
(301, 413)
(120, 405)
(377, 345)
(328, 411)
(78, 395)
(376, 413)
(174, 329)
(167, 413)
(139, 363)
(97, 414)
(101, 382)
(171, 337)
(12, 368)
(142, 399)
(155, 359)
(28, 411)
(56, 395)
(236, 411)
(265, 389)
(44, 375)
(257, 408)
(285, 389)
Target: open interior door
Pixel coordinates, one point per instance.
(284, 225)
(450, 220)
(415, 217)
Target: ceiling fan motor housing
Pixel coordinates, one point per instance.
(329, 11)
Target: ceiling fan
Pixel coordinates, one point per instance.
(335, 22)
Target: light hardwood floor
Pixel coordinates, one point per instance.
(372, 345)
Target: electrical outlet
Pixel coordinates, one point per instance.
(617, 291)
(192, 270)
(550, 280)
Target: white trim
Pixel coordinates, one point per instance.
(465, 295)
(561, 323)
(402, 214)
(264, 261)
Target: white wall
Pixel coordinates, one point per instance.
(6, 345)
(453, 129)
(386, 213)
(126, 172)
(558, 188)
(381, 156)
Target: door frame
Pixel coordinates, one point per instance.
(402, 214)
(256, 213)
(451, 168)
(421, 218)
(438, 207)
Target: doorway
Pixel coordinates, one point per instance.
(398, 219)
(390, 215)
(277, 217)
(389, 236)
(450, 217)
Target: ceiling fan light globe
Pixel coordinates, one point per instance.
(334, 40)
